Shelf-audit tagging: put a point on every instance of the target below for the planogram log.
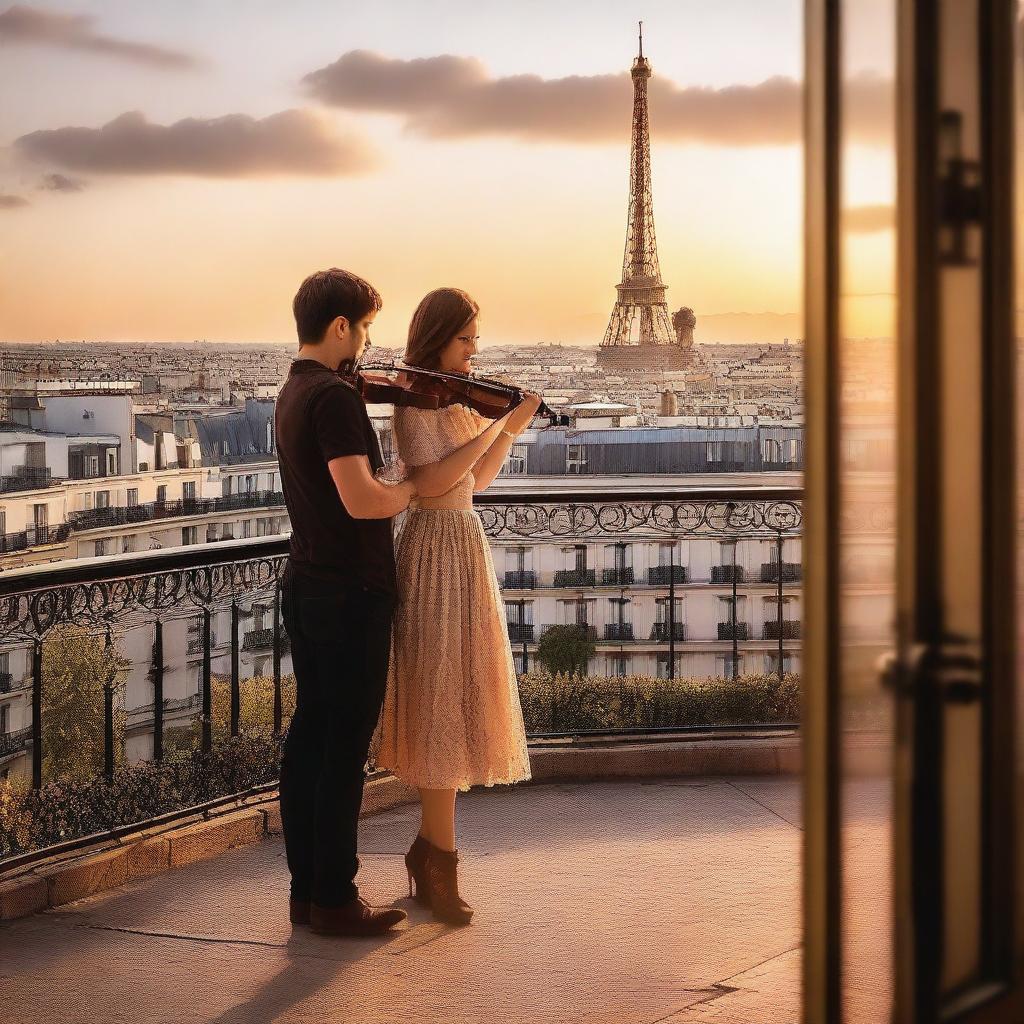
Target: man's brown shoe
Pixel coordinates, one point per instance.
(354, 918)
(298, 911)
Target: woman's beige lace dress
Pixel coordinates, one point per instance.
(451, 717)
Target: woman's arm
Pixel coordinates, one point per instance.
(437, 478)
(488, 466)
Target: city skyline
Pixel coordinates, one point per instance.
(467, 148)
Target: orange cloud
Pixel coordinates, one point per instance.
(291, 142)
(450, 96)
(19, 24)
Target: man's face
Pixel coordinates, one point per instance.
(360, 334)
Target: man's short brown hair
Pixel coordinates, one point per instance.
(328, 294)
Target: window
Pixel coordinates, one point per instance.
(716, 451)
(667, 554)
(92, 465)
(103, 499)
(5, 725)
(188, 490)
(661, 610)
(189, 535)
(619, 555)
(128, 543)
(726, 668)
(40, 516)
(519, 613)
(617, 609)
(576, 458)
(515, 461)
(212, 533)
(3, 522)
(111, 462)
(618, 665)
(161, 493)
(247, 528)
(259, 616)
(518, 558)
(578, 556)
(99, 548)
(133, 497)
(771, 663)
(575, 612)
(250, 483)
(272, 482)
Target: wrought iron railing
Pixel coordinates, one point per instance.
(153, 595)
(791, 571)
(618, 577)
(618, 631)
(662, 575)
(787, 629)
(575, 578)
(726, 573)
(733, 631)
(520, 631)
(125, 515)
(520, 579)
(660, 631)
(25, 478)
(15, 742)
(34, 536)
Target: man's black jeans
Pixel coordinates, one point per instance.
(341, 642)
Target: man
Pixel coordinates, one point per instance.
(338, 596)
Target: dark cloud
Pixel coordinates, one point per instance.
(450, 96)
(20, 24)
(60, 183)
(868, 219)
(291, 142)
(12, 202)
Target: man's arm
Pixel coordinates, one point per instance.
(363, 496)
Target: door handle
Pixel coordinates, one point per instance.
(953, 668)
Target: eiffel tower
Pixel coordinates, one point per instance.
(639, 333)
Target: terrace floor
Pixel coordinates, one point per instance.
(666, 900)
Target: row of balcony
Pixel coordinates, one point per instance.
(98, 518)
(657, 576)
(25, 478)
(524, 632)
(33, 536)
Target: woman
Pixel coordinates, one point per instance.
(451, 717)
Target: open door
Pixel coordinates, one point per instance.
(912, 790)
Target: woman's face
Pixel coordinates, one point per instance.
(456, 356)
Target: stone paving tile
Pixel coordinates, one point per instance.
(625, 903)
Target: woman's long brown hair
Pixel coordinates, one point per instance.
(439, 317)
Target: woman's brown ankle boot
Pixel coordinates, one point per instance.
(443, 887)
(416, 865)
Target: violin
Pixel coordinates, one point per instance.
(435, 389)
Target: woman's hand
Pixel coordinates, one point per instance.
(523, 413)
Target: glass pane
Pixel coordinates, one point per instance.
(867, 486)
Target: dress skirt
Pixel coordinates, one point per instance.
(451, 717)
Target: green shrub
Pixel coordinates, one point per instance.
(568, 703)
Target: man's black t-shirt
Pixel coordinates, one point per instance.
(318, 418)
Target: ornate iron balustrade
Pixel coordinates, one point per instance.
(575, 578)
(125, 515)
(726, 573)
(520, 579)
(262, 640)
(15, 742)
(660, 631)
(518, 632)
(786, 630)
(662, 575)
(728, 631)
(618, 631)
(34, 536)
(791, 572)
(621, 577)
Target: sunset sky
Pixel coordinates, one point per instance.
(171, 171)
